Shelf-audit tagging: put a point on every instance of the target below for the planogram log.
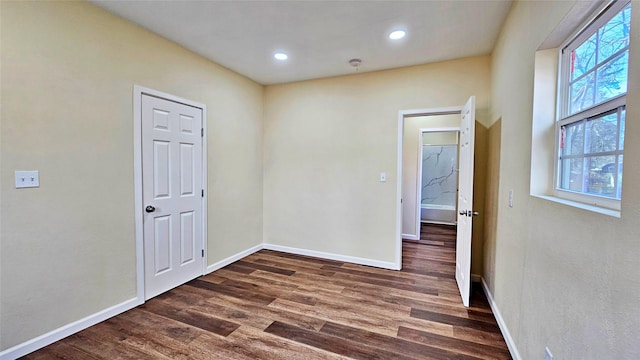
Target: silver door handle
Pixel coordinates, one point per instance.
(474, 213)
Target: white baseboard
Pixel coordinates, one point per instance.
(503, 326)
(337, 257)
(66, 330)
(476, 278)
(411, 237)
(231, 259)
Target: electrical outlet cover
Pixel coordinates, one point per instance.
(27, 179)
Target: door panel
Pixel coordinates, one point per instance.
(465, 200)
(187, 237)
(172, 180)
(186, 169)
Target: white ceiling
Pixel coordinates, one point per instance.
(320, 37)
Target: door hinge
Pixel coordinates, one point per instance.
(202, 252)
(202, 132)
(202, 192)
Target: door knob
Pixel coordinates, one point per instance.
(474, 213)
(150, 209)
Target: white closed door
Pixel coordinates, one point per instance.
(172, 194)
(465, 199)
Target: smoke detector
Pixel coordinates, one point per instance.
(355, 62)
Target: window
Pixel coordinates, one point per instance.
(590, 129)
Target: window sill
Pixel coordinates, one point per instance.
(579, 205)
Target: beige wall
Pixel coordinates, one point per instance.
(326, 142)
(68, 70)
(562, 277)
(411, 158)
(440, 137)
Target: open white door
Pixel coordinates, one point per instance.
(465, 199)
(172, 194)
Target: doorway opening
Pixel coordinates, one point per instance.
(408, 219)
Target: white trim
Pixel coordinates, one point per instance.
(579, 205)
(441, 129)
(233, 258)
(431, 111)
(69, 329)
(419, 183)
(501, 324)
(398, 257)
(330, 256)
(411, 236)
(137, 180)
(205, 198)
(401, 115)
(138, 91)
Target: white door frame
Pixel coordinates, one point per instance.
(138, 91)
(419, 172)
(402, 114)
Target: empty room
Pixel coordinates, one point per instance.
(319, 179)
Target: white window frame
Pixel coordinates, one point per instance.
(600, 17)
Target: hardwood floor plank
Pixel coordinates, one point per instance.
(194, 318)
(367, 274)
(478, 336)
(454, 320)
(329, 312)
(391, 343)
(264, 267)
(305, 280)
(98, 343)
(239, 268)
(155, 327)
(461, 346)
(387, 284)
(231, 291)
(330, 343)
(306, 259)
(264, 345)
(235, 307)
(60, 350)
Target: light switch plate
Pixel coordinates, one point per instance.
(27, 179)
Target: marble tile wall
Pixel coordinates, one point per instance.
(439, 174)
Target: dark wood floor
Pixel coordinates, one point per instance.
(273, 305)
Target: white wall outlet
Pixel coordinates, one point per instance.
(383, 176)
(27, 179)
(547, 354)
(510, 198)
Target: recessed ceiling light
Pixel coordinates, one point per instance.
(397, 34)
(280, 56)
